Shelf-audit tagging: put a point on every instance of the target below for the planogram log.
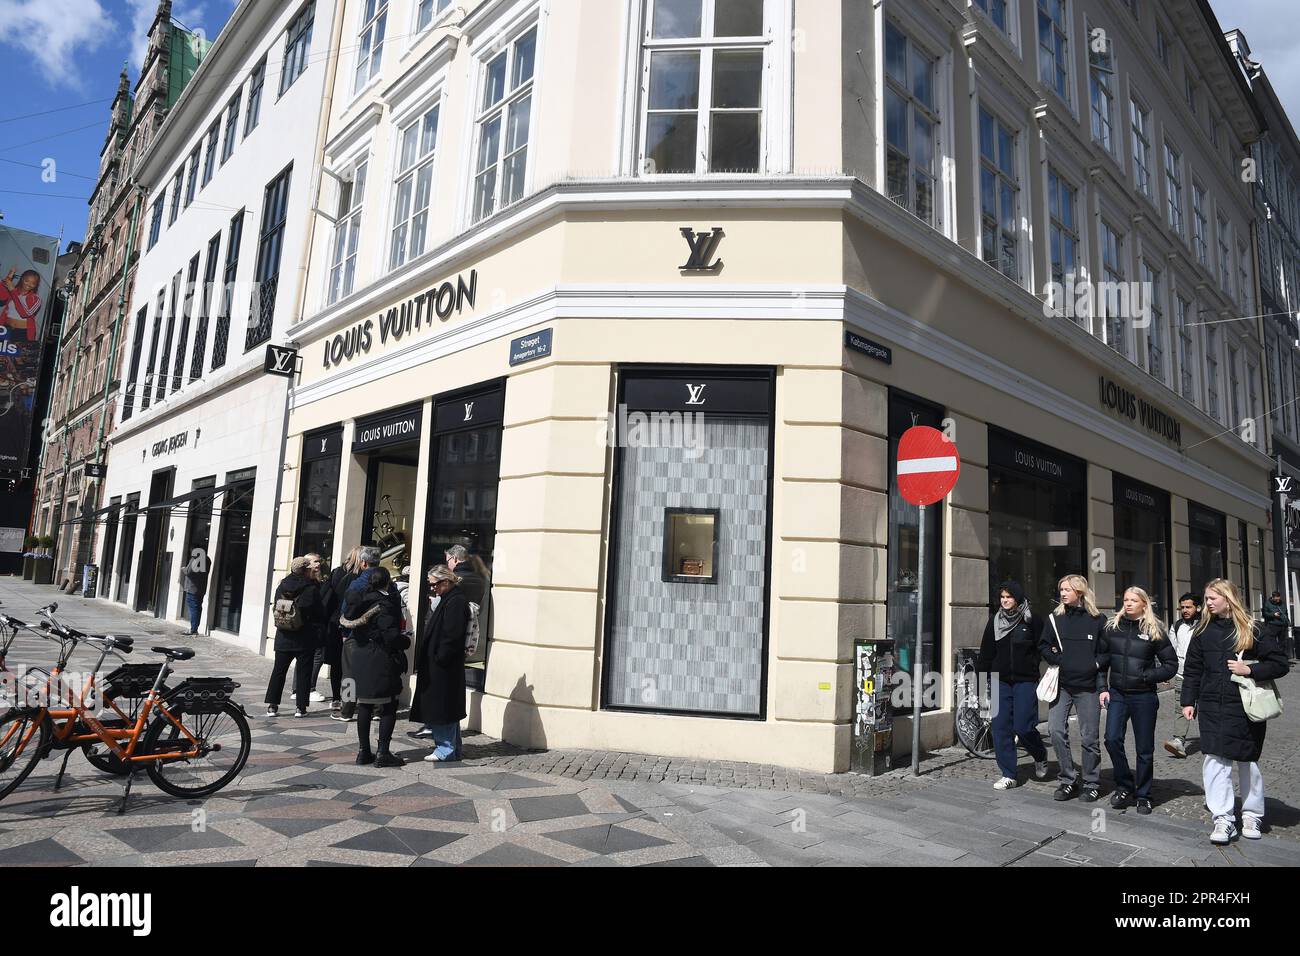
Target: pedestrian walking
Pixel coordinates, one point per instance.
(439, 700)
(378, 661)
(1277, 623)
(1009, 650)
(1141, 657)
(1073, 639)
(1180, 635)
(330, 653)
(299, 619)
(1227, 644)
(194, 584)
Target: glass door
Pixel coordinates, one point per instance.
(126, 559)
(232, 553)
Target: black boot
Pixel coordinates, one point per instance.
(364, 757)
(388, 759)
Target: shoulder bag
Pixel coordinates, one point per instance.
(1049, 685)
(1259, 699)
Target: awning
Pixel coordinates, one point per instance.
(93, 515)
(169, 503)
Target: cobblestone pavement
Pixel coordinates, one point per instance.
(302, 801)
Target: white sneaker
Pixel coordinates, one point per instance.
(318, 698)
(1224, 832)
(272, 710)
(1250, 829)
(1006, 783)
(1040, 770)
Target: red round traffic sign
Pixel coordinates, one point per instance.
(928, 465)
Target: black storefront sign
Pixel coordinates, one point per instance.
(713, 395)
(394, 427)
(469, 410)
(1126, 404)
(1020, 454)
(859, 343)
(326, 443)
(1134, 494)
(417, 315)
(530, 348)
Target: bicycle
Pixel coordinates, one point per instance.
(972, 713)
(197, 742)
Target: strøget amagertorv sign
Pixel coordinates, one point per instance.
(414, 316)
(1127, 404)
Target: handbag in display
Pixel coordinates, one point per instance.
(1259, 699)
(1049, 685)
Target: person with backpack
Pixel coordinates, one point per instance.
(1073, 640)
(1227, 645)
(378, 661)
(439, 699)
(299, 620)
(1141, 657)
(1180, 636)
(1010, 650)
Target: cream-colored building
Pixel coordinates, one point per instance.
(762, 238)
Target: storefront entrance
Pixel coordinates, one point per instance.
(198, 535)
(1207, 539)
(110, 547)
(151, 594)
(391, 441)
(686, 627)
(462, 504)
(232, 550)
(1142, 543)
(1037, 502)
(126, 560)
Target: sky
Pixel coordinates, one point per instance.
(60, 59)
(59, 65)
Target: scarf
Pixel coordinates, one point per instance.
(1004, 622)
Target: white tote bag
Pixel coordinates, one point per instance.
(1049, 685)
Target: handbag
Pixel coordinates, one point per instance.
(1259, 699)
(1049, 685)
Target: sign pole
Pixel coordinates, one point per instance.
(916, 653)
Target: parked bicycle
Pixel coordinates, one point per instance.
(973, 716)
(192, 740)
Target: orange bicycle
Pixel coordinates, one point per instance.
(196, 743)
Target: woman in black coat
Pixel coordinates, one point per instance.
(297, 646)
(439, 701)
(378, 661)
(1228, 643)
(1010, 649)
(330, 652)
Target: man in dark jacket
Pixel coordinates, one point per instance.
(1074, 641)
(1277, 623)
(296, 645)
(439, 701)
(194, 584)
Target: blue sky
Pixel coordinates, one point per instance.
(59, 61)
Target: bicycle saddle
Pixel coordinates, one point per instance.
(175, 653)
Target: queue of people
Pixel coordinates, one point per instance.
(358, 622)
(1220, 662)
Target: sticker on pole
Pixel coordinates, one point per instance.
(928, 465)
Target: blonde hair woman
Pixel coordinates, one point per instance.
(1227, 644)
(1141, 657)
(1073, 639)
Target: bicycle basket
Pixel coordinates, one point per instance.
(131, 681)
(202, 695)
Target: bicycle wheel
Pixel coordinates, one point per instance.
(974, 732)
(24, 737)
(224, 744)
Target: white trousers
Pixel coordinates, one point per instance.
(1216, 773)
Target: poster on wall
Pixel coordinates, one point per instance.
(26, 292)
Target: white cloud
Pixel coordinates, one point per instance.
(54, 34)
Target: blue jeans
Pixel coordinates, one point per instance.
(194, 603)
(1140, 708)
(1016, 716)
(446, 739)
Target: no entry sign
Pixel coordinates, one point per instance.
(928, 465)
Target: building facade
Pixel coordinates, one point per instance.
(195, 461)
(635, 299)
(1276, 193)
(81, 412)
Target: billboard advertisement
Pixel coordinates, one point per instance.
(27, 263)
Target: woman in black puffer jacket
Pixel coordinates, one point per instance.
(377, 662)
(1141, 657)
(1010, 650)
(1227, 643)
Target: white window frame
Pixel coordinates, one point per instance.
(437, 9)
(412, 117)
(369, 56)
(1012, 15)
(483, 57)
(347, 220)
(935, 113)
(988, 104)
(1223, 246)
(1106, 137)
(1174, 182)
(1114, 329)
(1140, 133)
(1064, 30)
(1156, 328)
(1055, 224)
(1212, 362)
(1200, 225)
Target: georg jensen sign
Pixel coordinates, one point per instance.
(414, 316)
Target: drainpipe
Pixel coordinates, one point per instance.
(322, 135)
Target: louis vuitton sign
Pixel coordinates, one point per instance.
(416, 316)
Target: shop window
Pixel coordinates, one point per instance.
(126, 558)
(904, 571)
(1142, 543)
(318, 493)
(198, 535)
(110, 546)
(232, 557)
(691, 545)
(1207, 534)
(1243, 551)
